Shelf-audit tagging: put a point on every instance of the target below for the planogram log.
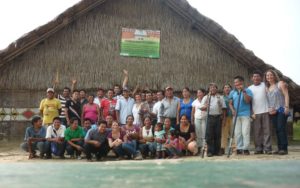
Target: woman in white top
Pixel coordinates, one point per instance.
(198, 117)
(136, 110)
(146, 141)
(278, 100)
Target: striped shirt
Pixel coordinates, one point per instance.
(63, 101)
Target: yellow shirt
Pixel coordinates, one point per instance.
(50, 109)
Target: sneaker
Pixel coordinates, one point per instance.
(258, 152)
(239, 152)
(222, 151)
(282, 152)
(246, 152)
(138, 156)
(268, 152)
(42, 155)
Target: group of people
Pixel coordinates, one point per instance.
(159, 124)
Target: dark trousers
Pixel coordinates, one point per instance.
(71, 150)
(64, 122)
(279, 122)
(98, 151)
(262, 132)
(59, 148)
(214, 134)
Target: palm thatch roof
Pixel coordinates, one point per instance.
(206, 26)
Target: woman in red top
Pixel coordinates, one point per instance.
(115, 139)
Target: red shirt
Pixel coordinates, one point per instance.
(108, 108)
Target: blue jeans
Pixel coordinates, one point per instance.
(119, 150)
(279, 122)
(60, 148)
(148, 147)
(41, 146)
(242, 132)
(130, 147)
(70, 149)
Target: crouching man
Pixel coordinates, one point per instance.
(74, 139)
(35, 138)
(96, 142)
(55, 139)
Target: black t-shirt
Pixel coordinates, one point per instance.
(74, 109)
(185, 135)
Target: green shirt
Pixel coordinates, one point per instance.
(77, 133)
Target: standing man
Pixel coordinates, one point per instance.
(108, 106)
(118, 88)
(147, 107)
(64, 98)
(100, 97)
(73, 108)
(124, 106)
(50, 107)
(82, 96)
(156, 107)
(261, 123)
(168, 107)
(242, 127)
(216, 117)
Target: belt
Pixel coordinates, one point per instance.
(215, 115)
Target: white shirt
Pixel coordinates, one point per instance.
(136, 114)
(98, 101)
(259, 100)
(53, 133)
(217, 103)
(155, 110)
(199, 114)
(124, 106)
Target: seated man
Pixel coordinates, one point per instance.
(74, 139)
(55, 139)
(35, 138)
(96, 142)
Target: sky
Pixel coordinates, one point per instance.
(270, 28)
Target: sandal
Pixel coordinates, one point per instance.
(32, 155)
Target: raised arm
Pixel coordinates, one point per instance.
(125, 81)
(73, 86)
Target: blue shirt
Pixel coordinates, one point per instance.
(124, 106)
(244, 108)
(31, 133)
(186, 109)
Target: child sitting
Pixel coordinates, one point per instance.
(172, 145)
(159, 137)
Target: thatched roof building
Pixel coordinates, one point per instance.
(84, 42)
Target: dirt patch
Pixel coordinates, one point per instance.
(10, 152)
